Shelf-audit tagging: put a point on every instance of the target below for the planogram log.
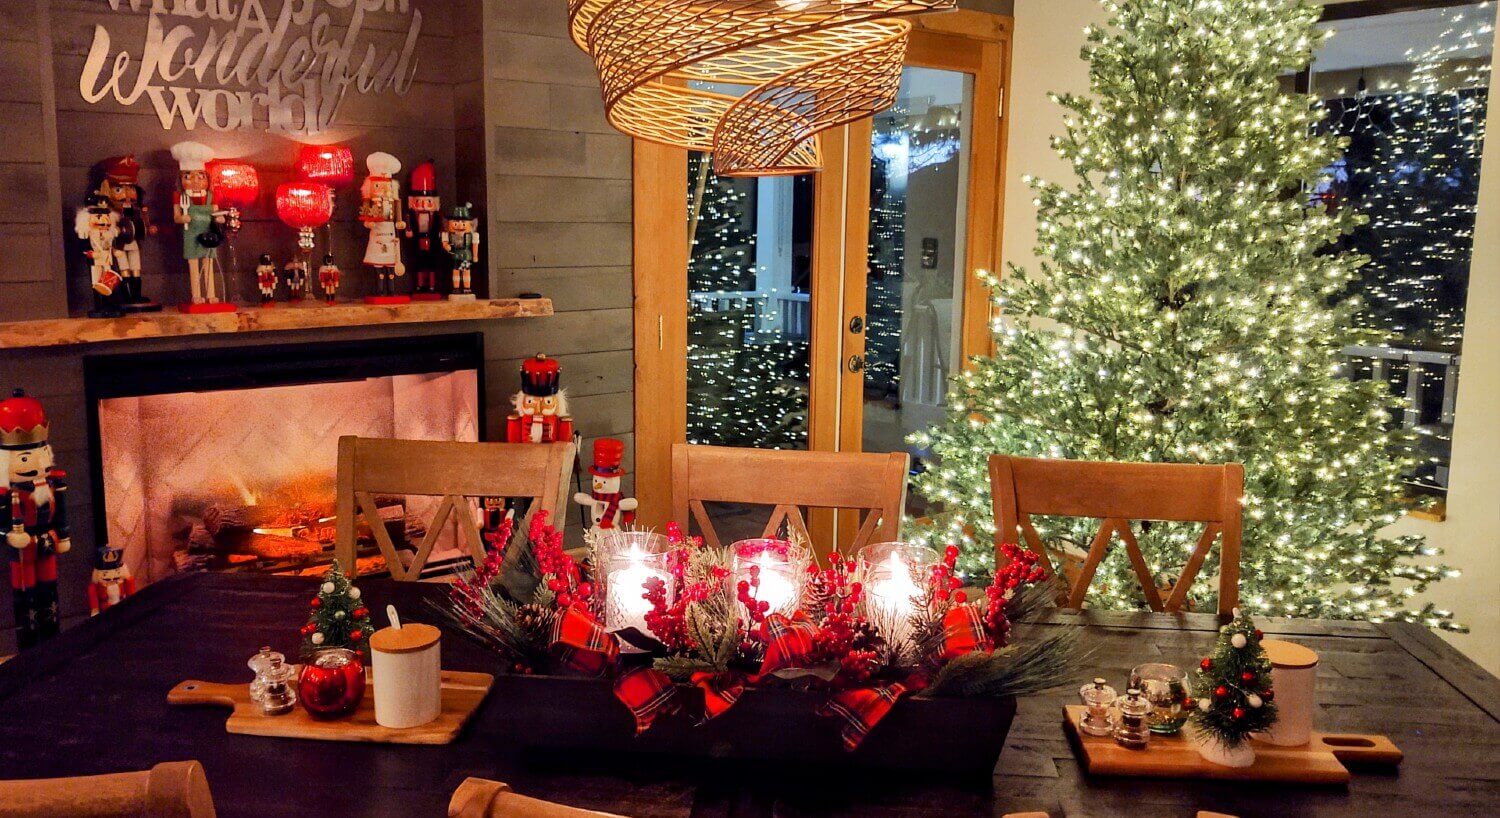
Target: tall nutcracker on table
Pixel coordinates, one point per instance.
(541, 406)
(461, 240)
(423, 226)
(111, 581)
(202, 228)
(97, 224)
(380, 211)
(121, 186)
(606, 504)
(34, 516)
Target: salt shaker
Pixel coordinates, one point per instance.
(258, 664)
(277, 697)
(1099, 697)
(1133, 727)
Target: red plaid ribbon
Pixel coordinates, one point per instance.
(789, 642)
(581, 643)
(963, 632)
(862, 708)
(720, 691)
(648, 693)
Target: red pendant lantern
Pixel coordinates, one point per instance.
(235, 183)
(304, 205)
(333, 165)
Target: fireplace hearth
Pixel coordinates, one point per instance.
(225, 460)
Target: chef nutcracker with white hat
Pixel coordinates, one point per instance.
(97, 224)
(423, 224)
(111, 581)
(121, 186)
(380, 211)
(33, 515)
(541, 414)
(202, 227)
(606, 505)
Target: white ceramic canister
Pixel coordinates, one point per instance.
(407, 675)
(1294, 677)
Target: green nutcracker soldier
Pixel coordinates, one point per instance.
(461, 240)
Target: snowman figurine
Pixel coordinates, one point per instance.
(606, 505)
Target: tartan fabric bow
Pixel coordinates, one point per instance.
(789, 642)
(862, 708)
(582, 644)
(963, 633)
(720, 691)
(648, 693)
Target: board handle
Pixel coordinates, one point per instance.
(193, 691)
(1358, 748)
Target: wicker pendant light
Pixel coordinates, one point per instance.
(804, 66)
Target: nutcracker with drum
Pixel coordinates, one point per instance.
(120, 184)
(265, 280)
(461, 240)
(202, 228)
(380, 212)
(328, 279)
(423, 226)
(111, 581)
(33, 513)
(97, 224)
(541, 406)
(606, 504)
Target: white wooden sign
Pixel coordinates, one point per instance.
(282, 65)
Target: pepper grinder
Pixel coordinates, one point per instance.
(1099, 697)
(277, 697)
(1133, 727)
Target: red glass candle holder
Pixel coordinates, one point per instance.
(332, 683)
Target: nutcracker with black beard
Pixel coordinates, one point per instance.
(33, 514)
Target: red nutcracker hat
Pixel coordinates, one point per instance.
(609, 453)
(122, 169)
(23, 422)
(540, 376)
(424, 179)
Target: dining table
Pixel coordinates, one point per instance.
(94, 700)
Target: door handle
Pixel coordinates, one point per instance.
(856, 363)
(857, 324)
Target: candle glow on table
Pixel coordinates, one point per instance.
(778, 567)
(630, 558)
(891, 572)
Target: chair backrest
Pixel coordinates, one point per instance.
(454, 471)
(174, 789)
(1118, 493)
(872, 485)
(483, 798)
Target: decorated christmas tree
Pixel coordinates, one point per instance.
(1233, 686)
(338, 618)
(1180, 313)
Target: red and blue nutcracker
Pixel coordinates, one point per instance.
(111, 582)
(541, 414)
(33, 512)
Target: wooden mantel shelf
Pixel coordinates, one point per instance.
(168, 323)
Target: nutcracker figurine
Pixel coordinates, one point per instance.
(121, 186)
(202, 227)
(111, 582)
(606, 505)
(380, 211)
(97, 224)
(328, 278)
(423, 226)
(461, 240)
(33, 514)
(265, 280)
(541, 414)
(296, 274)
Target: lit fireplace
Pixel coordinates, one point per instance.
(226, 461)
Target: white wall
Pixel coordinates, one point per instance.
(1048, 37)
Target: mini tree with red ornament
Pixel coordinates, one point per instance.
(1233, 686)
(338, 619)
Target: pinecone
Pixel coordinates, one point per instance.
(535, 621)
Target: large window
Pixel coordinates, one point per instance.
(1410, 92)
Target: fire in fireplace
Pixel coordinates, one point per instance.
(225, 460)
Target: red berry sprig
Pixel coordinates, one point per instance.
(1020, 569)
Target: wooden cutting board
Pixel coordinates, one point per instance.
(462, 693)
(1320, 761)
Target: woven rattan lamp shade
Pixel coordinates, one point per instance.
(806, 65)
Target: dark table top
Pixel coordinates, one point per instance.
(94, 701)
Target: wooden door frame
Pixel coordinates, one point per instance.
(661, 247)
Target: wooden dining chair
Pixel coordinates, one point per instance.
(454, 471)
(482, 798)
(871, 485)
(1118, 493)
(175, 789)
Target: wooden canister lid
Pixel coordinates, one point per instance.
(1289, 655)
(405, 639)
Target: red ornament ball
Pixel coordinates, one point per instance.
(1247, 676)
(1221, 691)
(307, 630)
(1268, 695)
(1239, 712)
(316, 603)
(356, 634)
(1259, 633)
(1205, 664)
(361, 613)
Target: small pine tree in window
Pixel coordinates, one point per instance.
(337, 619)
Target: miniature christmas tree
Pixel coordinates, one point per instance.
(338, 618)
(1233, 686)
